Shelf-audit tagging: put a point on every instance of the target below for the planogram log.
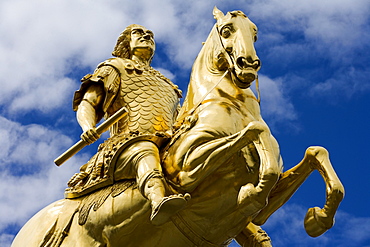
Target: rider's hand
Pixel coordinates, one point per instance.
(90, 136)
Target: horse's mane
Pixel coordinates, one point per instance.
(211, 50)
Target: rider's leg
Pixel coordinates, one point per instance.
(153, 185)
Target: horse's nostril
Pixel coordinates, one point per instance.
(248, 62)
(241, 62)
(256, 64)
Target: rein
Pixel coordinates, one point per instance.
(188, 113)
(232, 72)
(210, 90)
(258, 91)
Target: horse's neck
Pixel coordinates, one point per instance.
(205, 79)
(204, 74)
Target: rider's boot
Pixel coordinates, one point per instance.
(163, 207)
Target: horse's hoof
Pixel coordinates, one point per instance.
(262, 239)
(168, 207)
(317, 222)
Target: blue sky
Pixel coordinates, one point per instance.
(314, 85)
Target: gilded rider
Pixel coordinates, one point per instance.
(132, 151)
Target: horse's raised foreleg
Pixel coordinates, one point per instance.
(317, 221)
(205, 158)
(253, 198)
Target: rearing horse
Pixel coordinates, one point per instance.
(223, 154)
(221, 116)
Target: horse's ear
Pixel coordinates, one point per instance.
(217, 14)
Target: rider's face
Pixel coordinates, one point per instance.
(142, 40)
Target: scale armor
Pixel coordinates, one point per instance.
(151, 99)
(152, 102)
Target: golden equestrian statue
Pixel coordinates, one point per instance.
(200, 175)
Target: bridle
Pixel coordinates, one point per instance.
(230, 69)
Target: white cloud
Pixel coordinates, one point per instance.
(42, 42)
(276, 106)
(167, 73)
(28, 177)
(326, 39)
(285, 226)
(353, 228)
(327, 20)
(40, 39)
(6, 239)
(351, 81)
(31, 144)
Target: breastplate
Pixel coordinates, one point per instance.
(151, 101)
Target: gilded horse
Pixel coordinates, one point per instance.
(223, 154)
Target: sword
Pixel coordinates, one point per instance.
(100, 130)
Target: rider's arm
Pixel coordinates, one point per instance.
(87, 112)
(94, 98)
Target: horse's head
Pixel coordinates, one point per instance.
(228, 48)
(237, 35)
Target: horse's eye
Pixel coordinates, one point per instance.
(255, 34)
(226, 32)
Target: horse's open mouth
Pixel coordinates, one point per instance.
(245, 77)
